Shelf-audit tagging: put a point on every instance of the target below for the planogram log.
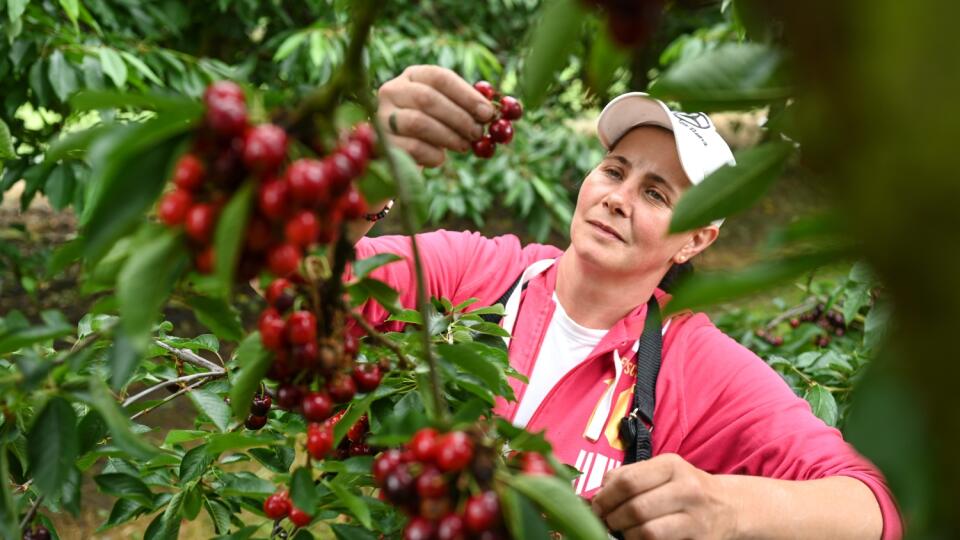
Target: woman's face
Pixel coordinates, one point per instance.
(625, 204)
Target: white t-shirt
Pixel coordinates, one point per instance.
(565, 345)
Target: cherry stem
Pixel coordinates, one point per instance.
(31, 513)
(402, 361)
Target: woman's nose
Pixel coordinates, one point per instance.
(615, 202)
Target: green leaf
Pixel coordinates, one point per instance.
(145, 282)
(59, 187)
(194, 463)
(823, 404)
(192, 500)
(357, 409)
(368, 288)
(123, 511)
(72, 7)
(289, 45)
(522, 518)
(604, 60)
(377, 184)
(6, 142)
(303, 492)
(708, 288)
(351, 501)
(229, 236)
(553, 40)
(113, 66)
(19, 338)
(220, 515)
(732, 76)
(15, 9)
(124, 359)
(562, 506)
(124, 438)
(731, 188)
(9, 514)
(63, 78)
(363, 267)
(352, 532)
(114, 204)
(211, 405)
(221, 442)
(254, 362)
(278, 458)
(217, 315)
(52, 445)
(412, 179)
(111, 99)
(125, 486)
(167, 525)
(469, 359)
(245, 484)
(73, 143)
(143, 68)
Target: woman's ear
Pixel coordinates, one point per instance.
(699, 241)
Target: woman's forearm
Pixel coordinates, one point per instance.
(838, 507)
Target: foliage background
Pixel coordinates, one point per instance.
(54, 49)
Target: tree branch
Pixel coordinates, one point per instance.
(189, 356)
(30, 513)
(185, 378)
(377, 336)
(176, 394)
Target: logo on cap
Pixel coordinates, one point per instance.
(697, 120)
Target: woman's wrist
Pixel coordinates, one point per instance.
(377, 216)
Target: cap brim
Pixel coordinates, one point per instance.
(628, 111)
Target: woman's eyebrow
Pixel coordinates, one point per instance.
(617, 157)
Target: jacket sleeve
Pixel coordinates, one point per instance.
(742, 418)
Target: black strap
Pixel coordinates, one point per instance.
(494, 318)
(633, 432)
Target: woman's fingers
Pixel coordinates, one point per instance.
(422, 152)
(454, 87)
(420, 125)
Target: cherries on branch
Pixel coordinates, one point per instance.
(500, 129)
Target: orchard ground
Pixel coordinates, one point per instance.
(39, 229)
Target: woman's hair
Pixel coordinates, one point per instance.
(676, 273)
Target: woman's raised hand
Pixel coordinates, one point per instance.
(429, 109)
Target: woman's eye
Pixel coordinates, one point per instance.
(654, 194)
(614, 173)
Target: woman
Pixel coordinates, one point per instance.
(736, 453)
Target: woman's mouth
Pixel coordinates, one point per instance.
(606, 230)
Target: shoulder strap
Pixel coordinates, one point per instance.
(493, 318)
(633, 432)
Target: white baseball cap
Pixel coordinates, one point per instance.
(700, 147)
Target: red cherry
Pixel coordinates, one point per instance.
(319, 440)
(366, 135)
(205, 260)
(301, 327)
(280, 294)
(359, 449)
(299, 518)
(289, 396)
(174, 206)
(305, 356)
(273, 199)
(223, 90)
(259, 235)
(343, 171)
(454, 451)
(353, 205)
(358, 431)
(188, 172)
(260, 405)
(501, 131)
(484, 147)
(482, 512)
(351, 345)
(302, 229)
(272, 329)
(284, 259)
(309, 181)
(264, 147)
(423, 444)
(535, 464)
(419, 528)
(367, 377)
(451, 527)
(485, 88)
(341, 388)
(510, 108)
(384, 464)
(276, 506)
(280, 368)
(255, 422)
(317, 406)
(358, 154)
(200, 221)
(226, 116)
(431, 484)
(400, 486)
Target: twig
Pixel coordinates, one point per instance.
(189, 356)
(377, 336)
(177, 394)
(30, 513)
(796, 310)
(185, 378)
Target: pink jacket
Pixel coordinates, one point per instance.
(719, 406)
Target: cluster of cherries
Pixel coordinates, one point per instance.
(500, 129)
(301, 357)
(631, 22)
(832, 322)
(279, 506)
(297, 206)
(37, 532)
(429, 480)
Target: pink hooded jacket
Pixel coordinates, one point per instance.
(718, 405)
